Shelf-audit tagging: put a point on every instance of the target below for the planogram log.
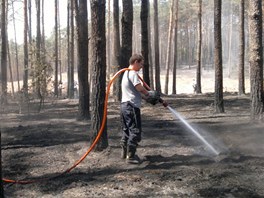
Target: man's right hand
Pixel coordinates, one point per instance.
(153, 97)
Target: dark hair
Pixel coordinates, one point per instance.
(134, 58)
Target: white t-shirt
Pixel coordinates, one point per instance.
(129, 93)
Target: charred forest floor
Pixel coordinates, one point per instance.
(174, 162)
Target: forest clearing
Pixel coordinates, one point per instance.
(175, 163)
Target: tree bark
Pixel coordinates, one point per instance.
(144, 39)
(241, 66)
(82, 53)
(156, 46)
(168, 54)
(3, 53)
(108, 60)
(56, 91)
(70, 30)
(98, 63)
(25, 45)
(116, 43)
(37, 70)
(230, 41)
(15, 36)
(199, 51)
(174, 72)
(10, 67)
(256, 59)
(150, 51)
(126, 46)
(219, 101)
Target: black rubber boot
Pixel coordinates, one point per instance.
(123, 151)
(132, 158)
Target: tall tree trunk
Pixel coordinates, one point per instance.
(70, 48)
(16, 50)
(56, 91)
(144, 39)
(150, 51)
(116, 46)
(98, 63)
(69, 83)
(3, 53)
(256, 59)
(199, 51)
(108, 60)
(175, 47)
(59, 48)
(230, 40)
(43, 52)
(82, 52)
(189, 51)
(126, 45)
(25, 45)
(127, 29)
(38, 51)
(168, 54)
(219, 101)
(156, 46)
(10, 68)
(241, 67)
(43, 30)
(30, 58)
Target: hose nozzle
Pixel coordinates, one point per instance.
(164, 103)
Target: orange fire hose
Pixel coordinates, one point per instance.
(93, 144)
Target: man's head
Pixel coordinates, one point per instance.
(136, 61)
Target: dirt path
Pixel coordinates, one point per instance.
(174, 162)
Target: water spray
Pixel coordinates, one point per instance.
(195, 132)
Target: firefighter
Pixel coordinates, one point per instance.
(132, 93)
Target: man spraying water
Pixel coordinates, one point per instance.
(132, 93)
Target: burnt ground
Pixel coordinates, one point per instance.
(174, 162)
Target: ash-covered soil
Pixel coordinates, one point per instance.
(174, 162)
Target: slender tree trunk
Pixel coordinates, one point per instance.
(126, 45)
(175, 47)
(25, 45)
(150, 50)
(189, 50)
(16, 50)
(144, 39)
(230, 41)
(10, 68)
(69, 83)
(3, 53)
(59, 47)
(116, 46)
(199, 51)
(168, 55)
(71, 49)
(38, 51)
(43, 51)
(127, 29)
(256, 59)
(82, 51)
(219, 101)
(31, 67)
(56, 92)
(241, 67)
(156, 46)
(98, 62)
(108, 60)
